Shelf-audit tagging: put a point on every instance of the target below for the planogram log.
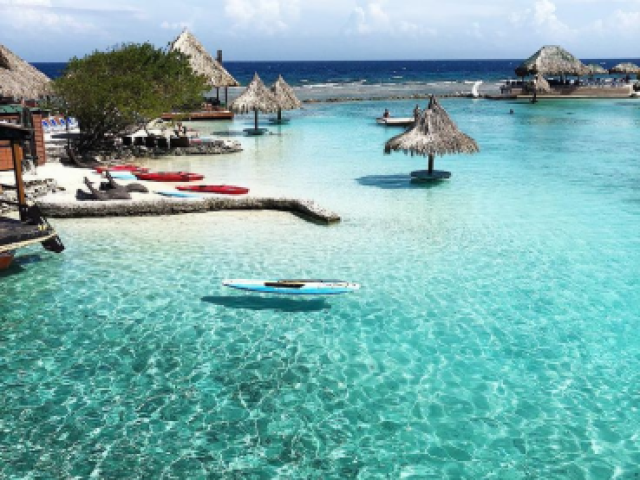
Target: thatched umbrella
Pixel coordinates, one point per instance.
(202, 62)
(20, 79)
(257, 98)
(285, 96)
(595, 69)
(433, 134)
(626, 68)
(552, 60)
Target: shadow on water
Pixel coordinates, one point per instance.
(14, 269)
(396, 182)
(273, 303)
(241, 133)
(28, 259)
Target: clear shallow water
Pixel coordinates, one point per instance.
(495, 334)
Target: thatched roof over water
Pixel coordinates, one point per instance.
(595, 69)
(20, 79)
(433, 134)
(552, 60)
(202, 62)
(285, 96)
(257, 97)
(625, 68)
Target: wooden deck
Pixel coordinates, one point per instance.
(15, 234)
(563, 92)
(201, 115)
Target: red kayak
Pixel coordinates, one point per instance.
(169, 176)
(224, 189)
(122, 168)
(6, 258)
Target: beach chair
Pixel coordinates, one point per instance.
(55, 126)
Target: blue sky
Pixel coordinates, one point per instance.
(327, 29)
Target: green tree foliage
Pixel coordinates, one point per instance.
(114, 91)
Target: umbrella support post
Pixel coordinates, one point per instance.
(256, 119)
(279, 116)
(431, 162)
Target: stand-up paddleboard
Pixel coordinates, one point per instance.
(294, 287)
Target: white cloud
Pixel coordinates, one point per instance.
(264, 16)
(176, 25)
(369, 17)
(26, 13)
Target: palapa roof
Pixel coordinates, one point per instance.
(202, 62)
(433, 134)
(20, 79)
(552, 60)
(594, 68)
(256, 97)
(285, 96)
(625, 68)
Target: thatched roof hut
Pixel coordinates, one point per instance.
(552, 60)
(285, 96)
(202, 62)
(434, 133)
(20, 79)
(595, 69)
(256, 98)
(627, 68)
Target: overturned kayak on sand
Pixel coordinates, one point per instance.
(223, 189)
(169, 176)
(170, 193)
(122, 168)
(294, 287)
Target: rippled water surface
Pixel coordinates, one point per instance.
(495, 336)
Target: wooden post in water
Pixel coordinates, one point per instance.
(17, 170)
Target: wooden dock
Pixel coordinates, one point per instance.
(202, 115)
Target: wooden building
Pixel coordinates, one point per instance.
(14, 114)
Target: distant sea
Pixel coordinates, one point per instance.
(326, 79)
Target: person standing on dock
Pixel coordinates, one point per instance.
(416, 112)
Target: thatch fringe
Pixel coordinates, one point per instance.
(625, 68)
(433, 134)
(20, 79)
(202, 62)
(552, 60)
(595, 69)
(541, 84)
(257, 97)
(285, 96)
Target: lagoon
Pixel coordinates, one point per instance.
(495, 333)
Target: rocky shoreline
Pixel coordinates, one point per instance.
(306, 209)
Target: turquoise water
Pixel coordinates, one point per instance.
(495, 336)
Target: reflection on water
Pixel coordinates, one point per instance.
(276, 304)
